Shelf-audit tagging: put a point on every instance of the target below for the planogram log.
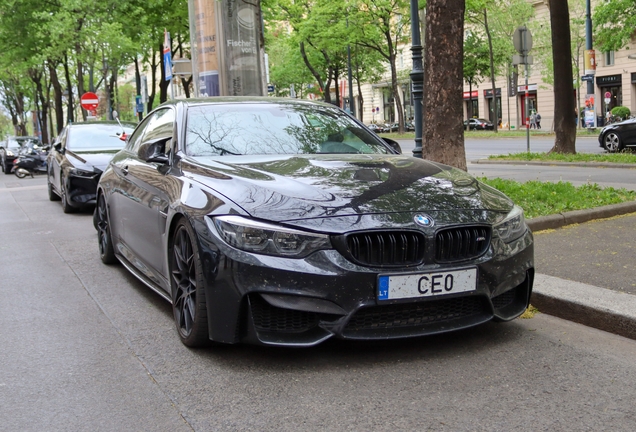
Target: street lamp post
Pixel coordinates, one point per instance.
(417, 78)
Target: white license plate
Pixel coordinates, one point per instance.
(392, 287)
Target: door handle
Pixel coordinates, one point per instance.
(124, 170)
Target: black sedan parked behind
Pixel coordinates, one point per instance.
(617, 136)
(78, 158)
(478, 124)
(287, 222)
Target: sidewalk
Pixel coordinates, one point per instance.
(585, 262)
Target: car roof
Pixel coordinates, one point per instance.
(103, 122)
(245, 100)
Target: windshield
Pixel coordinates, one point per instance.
(16, 143)
(258, 129)
(96, 136)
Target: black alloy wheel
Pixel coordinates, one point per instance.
(187, 283)
(52, 195)
(612, 142)
(66, 207)
(104, 239)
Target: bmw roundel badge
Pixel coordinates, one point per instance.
(424, 220)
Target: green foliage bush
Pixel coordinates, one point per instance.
(621, 111)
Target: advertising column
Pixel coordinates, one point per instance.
(203, 38)
(589, 116)
(240, 49)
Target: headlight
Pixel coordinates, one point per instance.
(10, 153)
(81, 173)
(262, 238)
(512, 227)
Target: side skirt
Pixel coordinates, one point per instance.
(143, 278)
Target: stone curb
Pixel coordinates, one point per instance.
(579, 216)
(572, 164)
(601, 308)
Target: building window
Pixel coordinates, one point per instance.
(609, 58)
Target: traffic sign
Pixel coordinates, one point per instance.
(587, 78)
(89, 101)
(608, 95)
(522, 40)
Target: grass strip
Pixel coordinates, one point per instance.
(545, 198)
(626, 157)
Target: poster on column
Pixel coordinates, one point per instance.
(241, 53)
(590, 112)
(206, 47)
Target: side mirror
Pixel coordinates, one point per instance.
(58, 147)
(393, 144)
(159, 158)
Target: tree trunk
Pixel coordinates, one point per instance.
(315, 73)
(80, 76)
(163, 84)
(443, 83)
(57, 96)
(564, 128)
(138, 87)
(69, 87)
(153, 73)
(397, 99)
(492, 74)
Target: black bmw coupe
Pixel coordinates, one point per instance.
(286, 222)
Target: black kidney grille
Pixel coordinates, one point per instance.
(461, 243)
(389, 248)
(415, 314)
(271, 318)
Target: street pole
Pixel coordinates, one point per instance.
(588, 46)
(417, 78)
(352, 108)
(526, 111)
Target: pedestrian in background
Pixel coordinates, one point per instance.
(533, 120)
(537, 119)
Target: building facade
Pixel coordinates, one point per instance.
(614, 82)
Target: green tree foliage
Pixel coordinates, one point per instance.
(497, 20)
(614, 23)
(383, 26)
(476, 61)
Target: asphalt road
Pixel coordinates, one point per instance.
(85, 346)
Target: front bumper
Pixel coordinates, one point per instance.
(82, 190)
(302, 302)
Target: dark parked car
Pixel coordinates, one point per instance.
(11, 147)
(478, 124)
(376, 128)
(617, 136)
(77, 159)
(285, 222)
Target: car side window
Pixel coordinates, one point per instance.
(157, 138)
(135, 139)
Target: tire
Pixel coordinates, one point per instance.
(19, 174)
(104, 238)
(52, 195)
(187, 285)
(612, 142)
(66, 207)
(7, 167)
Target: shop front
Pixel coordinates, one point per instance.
(490, 100)
(532, 101)
(611, 89)
(471, 100)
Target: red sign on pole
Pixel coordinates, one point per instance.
(89, 101)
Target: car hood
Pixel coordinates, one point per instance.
(88, 159)
(300, 187)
